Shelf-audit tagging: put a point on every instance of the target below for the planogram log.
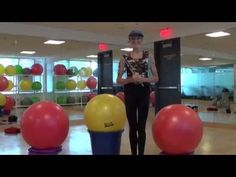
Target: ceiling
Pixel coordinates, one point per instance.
(82, 39)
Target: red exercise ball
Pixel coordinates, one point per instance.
(10, 103)
(36, 69)
(121, 95)
(3, 83)
(90, 96)
(44, 125)
(153, 98)
(91, 82)
(60, 69)
(177, 129)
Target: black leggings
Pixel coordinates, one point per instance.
(137, 106)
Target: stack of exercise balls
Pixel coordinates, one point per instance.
(44, 126)
(105, 117)
(66, 80)
(6, 102)
(177, 130)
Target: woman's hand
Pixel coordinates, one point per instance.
(138, 79)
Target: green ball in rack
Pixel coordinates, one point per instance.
(61, 100)
(35, 99)
(19, 69)
(36, 86)
(60, 85)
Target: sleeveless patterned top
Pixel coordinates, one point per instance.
(140, 66)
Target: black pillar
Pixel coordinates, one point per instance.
(167, 58)
(105, 71)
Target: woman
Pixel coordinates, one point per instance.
(137, 89)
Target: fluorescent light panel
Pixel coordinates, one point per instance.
(218, 34)
(205, 59)
(92, 56)
(27, 52)
(54, 42)
(127, 49)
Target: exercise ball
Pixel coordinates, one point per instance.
(90, 96)
(2, 99)
(36, 69)
(25, 85)
(81, 84)
(153, 98)
(10, 70)
(70, 100)
(105, 113)
(10, 85)
(19, 69)
(44, 125)
(2, 69)
(36, 86)
(88, 71)
(3, 83)
(26, 101)
(121, 96)
(72, 71)
(59, 69)
(26, 71)
(60, 85)
(91, 82)
(35, 99)
(82, 72)
(61, 100)
(69, 72)
(10, 103)
(70, 84)
(177, 129)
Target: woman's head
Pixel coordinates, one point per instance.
(136, 38)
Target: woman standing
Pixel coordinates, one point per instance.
(137, 89)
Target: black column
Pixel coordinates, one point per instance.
(167, 57)
(105, 72)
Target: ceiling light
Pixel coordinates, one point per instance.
(92, 56)
(217, 34)
(205, 59)
(27, 52)
(54, 42)
(127, 49)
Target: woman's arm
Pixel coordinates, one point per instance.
(119, 79)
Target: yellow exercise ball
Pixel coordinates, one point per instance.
(2, 100)
(71, 84)
(81, 84)
(89, 71)
(82, 72)
(10, 70)
(25, 85)
(2, 69)
(105, 113)
(10, 85)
